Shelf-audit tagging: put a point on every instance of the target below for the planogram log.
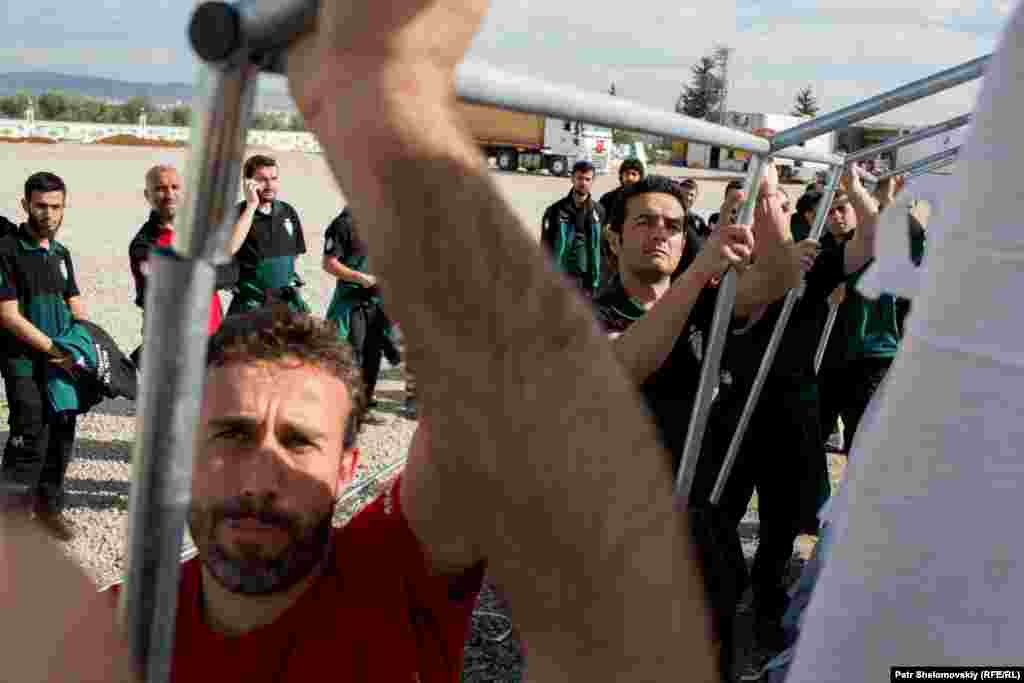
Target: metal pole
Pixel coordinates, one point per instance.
(711, 365)
(173, 370)
(223, 31)
(946, 154)
(931, 168)
(773, 344)
(819, 355)
(909, 139)
(879, 104)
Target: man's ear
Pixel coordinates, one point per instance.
(25, 205)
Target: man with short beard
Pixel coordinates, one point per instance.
(693, 220)
(571, 231)
(164, 193)
(275, 591)
(39, 300)
(268, 240)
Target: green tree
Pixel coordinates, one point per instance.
(700, 99)
(296, 122)
(9, 108)
(51, 106)
(131, 109)
(806, 104)
(181, 115)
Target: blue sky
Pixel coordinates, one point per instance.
(844, 50)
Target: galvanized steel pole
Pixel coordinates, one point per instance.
(945, 155)
(173, 370)
(879, 104)
(711, 364)
(909, 139)
(773, 345)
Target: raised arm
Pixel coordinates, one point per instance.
(244, 223)
(531, 415)
(861, 249)
(646, 345)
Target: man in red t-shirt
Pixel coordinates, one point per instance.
(275, 591)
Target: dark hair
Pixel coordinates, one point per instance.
(735, 185)
(632, 164)
(44, 181)
(808, 202)
(257, 161)
(272, 333)
(688, 182)
(647, 185)
(582, 166)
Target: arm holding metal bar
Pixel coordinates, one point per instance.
(821, 214)
(711, 365)
(558, 400)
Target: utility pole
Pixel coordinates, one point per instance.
(722, 53)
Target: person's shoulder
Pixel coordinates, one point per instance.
(287, 208)
(9, 242)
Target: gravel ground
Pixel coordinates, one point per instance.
(105, 208)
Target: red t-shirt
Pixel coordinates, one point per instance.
(376, 614)
(166, 239)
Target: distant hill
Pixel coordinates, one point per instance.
(38, 82)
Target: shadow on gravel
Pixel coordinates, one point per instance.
(109, 451)
(96, 494)
(118, 407)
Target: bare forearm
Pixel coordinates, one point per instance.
(646, 345)
(861, 248)
(334, 267)
(760, 285)
(241, 230)
(523, 394)
(77, 308)
(26, 332)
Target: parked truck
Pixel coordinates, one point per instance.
(516, 140)
(699, 155)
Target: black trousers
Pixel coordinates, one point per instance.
(368, 335)
(847, 390)
(40, 444)
(782, 456)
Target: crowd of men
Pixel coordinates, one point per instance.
(661, 271)
(534, 429)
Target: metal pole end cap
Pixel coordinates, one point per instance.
(215, 31)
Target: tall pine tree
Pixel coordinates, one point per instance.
(701, 97)
(806, 104)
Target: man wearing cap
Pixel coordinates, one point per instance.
(571, 231)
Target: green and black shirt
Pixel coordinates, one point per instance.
(343, 242)
(41, 280)
(672, 390)
(266, 259)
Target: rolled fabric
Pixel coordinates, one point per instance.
(926, 568)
